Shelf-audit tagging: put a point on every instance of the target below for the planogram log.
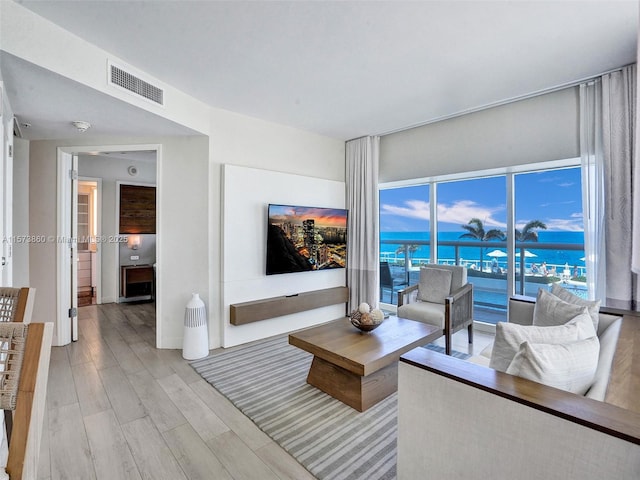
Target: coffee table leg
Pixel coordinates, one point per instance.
(356, 391)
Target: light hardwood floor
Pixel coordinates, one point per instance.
(118, 408)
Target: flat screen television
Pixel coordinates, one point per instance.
(301, 239)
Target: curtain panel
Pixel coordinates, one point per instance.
(618, 130)
(362, 157)
(610, 171)
(593, 204)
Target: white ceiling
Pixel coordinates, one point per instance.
(344, 68)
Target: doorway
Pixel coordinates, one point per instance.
(89, 251)
(104, 165)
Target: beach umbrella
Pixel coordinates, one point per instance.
(528, 254)
(496, 253)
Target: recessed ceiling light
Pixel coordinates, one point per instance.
(81, 126)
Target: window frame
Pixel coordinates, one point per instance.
(509, 174)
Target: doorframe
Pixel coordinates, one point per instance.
(7, 202)
(62, 330)
(119, 183)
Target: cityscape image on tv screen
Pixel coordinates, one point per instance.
(305, 238)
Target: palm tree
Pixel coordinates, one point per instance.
(410, 250)
(529, 233)
(475, 229)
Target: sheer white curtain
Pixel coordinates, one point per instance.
(608, 116)
(593, 186)
(363, 269)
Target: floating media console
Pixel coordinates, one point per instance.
(248, 312)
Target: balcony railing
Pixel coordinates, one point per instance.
(490, 279)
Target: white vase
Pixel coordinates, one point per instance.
(195, 343)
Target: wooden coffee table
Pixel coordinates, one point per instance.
(360, 369)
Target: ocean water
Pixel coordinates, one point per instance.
(558, 257)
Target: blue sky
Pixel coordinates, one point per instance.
(554, 197)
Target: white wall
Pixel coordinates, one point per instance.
(20, 211)
(41, 42)
(538, 129)
(189, 208)
(244, 141)
(112, 169)
(189, 174)
(182, 190)
(247, 194)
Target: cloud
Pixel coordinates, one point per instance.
(464, 210)
(566, 202)
(459, 212)
(573, 224)
(414, 209)
(549, 179)
(566, 184)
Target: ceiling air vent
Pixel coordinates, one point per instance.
(130, 82)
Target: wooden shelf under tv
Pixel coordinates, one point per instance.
(248, 312)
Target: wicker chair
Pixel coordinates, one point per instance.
(25, 350)
(452, 312)
(16, 305)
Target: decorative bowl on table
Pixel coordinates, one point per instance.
(365, 318)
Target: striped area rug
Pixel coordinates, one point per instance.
(267, 382)
(454, 353)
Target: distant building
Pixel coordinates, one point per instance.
(309, 233)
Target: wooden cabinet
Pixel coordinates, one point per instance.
(136, 280)
(137, 209)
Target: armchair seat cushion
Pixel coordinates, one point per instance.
(431, 313)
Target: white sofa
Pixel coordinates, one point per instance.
(521, 312)
(461, 420)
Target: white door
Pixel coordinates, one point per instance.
(66, 250)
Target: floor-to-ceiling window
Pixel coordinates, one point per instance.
(549, 231)
(404, 236)
(472, 229)
(537, 242)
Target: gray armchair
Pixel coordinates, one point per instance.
(442, 298)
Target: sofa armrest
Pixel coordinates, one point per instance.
(500, 426)
(521, 310)
(608, 344)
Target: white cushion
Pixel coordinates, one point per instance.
(435, 285)
(569, 366)
(592, 305)
(431, 313)
(487, 351)
(510, 336)
(549, 310)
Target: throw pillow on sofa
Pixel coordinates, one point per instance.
(570, 366)
(592, 305)
(550, 310)
(509, 337)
